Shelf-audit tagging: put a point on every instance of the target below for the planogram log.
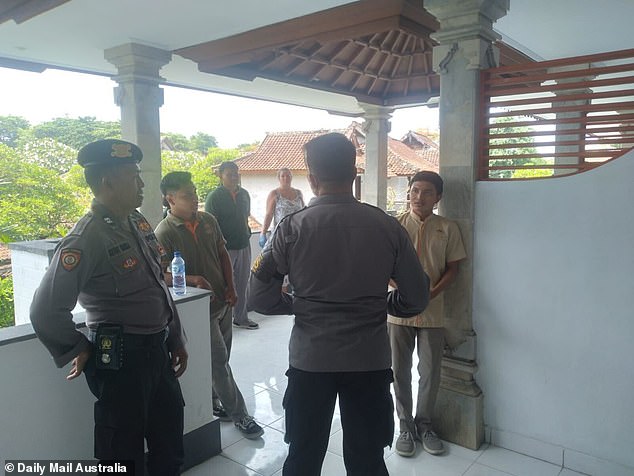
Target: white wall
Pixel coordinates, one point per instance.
(259, 187)
(43, 416)
(554, 314)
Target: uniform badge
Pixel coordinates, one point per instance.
(69, 258)
(105, 343)
(130, 262)
(121, 150)
(144, 226)
(256, 264)
(160, 249)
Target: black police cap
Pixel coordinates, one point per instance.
(109, 152)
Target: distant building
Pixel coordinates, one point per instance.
(284, 149)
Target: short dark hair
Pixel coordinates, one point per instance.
(225, 165)
(428, 176)
(173, 182)
(95, 173)
(331, 158)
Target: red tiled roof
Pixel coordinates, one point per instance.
(284, 149)
(277, 150)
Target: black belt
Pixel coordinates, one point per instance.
(139, 340)
(144, 340)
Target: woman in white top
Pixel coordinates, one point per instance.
(280, 202)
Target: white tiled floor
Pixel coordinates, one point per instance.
(259, 360)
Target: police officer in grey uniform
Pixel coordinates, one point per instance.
(134, 353)
(340, 255)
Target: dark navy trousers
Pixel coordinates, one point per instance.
(367, 418)
(141, 401)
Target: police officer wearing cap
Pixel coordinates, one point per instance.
(134, 353)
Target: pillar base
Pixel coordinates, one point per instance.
(459, 411)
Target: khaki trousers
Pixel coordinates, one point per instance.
(429, 344)
(224, 387)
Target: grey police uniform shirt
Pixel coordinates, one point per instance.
(113, 269)
(340, 255)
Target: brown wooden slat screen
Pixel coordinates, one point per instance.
(556, 118)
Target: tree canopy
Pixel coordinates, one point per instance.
(36, 202)
(10, 129)
(77, 132)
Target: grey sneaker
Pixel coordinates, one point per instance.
(405, 444)
(249, 428)
(247, 325)
(220, 412)
(432, 444)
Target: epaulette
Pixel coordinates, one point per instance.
(81, 225)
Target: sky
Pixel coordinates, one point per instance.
(232, 120)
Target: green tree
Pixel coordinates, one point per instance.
(48, 153)
(172, 161)
(7, 312)
(244, 148)
(203, 171)
(36, 202)
(77, 132)
(10, 129)
(522, 145)
(175, 142)
(534, 173)
(202, 142)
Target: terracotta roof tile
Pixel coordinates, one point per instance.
(279, 149)
(284, 149)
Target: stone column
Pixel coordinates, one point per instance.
(140, 97)
(376, 128)
(465, 46)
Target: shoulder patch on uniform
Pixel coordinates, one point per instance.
(144, 226)
(69, 258)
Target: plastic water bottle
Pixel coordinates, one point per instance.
(178, 274)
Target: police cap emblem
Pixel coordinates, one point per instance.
(109, 152)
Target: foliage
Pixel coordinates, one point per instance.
(172, 161)
(74, 178)
(36, 202)
(48, 153)
(523, 145)
(245, 148)
(199, 142)
(174, 141)
(10, 129)
(203, 172)
(77, 132)
(7, 313)
(200, 166)
(202, 142)
(534, 173)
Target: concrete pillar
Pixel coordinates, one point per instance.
(140, 97)
(465, 46)
(376, 128)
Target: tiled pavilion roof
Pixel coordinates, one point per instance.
(284, 149)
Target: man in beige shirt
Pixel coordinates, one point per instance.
(439, 248)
